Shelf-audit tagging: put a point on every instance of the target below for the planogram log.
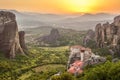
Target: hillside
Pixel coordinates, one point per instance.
(68, 36)
(44, 62)
(29, 67)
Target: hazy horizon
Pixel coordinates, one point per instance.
(73, 14)
(76, 21)
(69, 14)
(63, 6)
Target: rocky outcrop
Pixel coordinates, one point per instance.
(93, 60)
(9, 36)
(89, 58)
(51, 39)
(22, 41)
(89, 37)
(108, 35)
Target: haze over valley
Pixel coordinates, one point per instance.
(79, 21)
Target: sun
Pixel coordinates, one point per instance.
(82, 5)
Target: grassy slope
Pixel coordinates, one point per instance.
(42, 59)
(44, 68)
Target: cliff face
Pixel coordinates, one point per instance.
(88, 57)
(9, 36)
(52, 38)
(108, 35)
(22, 41)
(89, 37)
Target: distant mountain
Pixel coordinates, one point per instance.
(86, 21)
(77, 22)
(91, 17)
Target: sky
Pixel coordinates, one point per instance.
(63, 6)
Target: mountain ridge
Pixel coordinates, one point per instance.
(27, 20)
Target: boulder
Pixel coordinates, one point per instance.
(9, 36)
(94, 60)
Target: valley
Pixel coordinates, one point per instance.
(46, 52)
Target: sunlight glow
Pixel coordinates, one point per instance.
(82, 5)
(63, 6)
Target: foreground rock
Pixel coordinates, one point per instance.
(81, 57)
(22, 41)
(108, 35)
(9, 37)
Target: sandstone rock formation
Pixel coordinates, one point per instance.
(51, 39)
(89, 58)
(108, 35)
(22, 41)
(89, 37)
(9, 36)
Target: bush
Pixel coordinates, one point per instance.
(109, 58)
(107, 71)
(101, 51)
(64, 76)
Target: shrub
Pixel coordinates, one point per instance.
(107, 71)
(64, 76)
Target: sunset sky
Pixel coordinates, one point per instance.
(63, 6)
